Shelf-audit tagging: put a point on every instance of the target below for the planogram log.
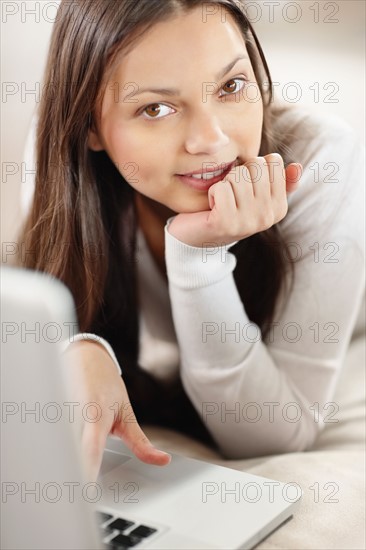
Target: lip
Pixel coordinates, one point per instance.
(204, 185)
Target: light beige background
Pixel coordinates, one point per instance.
(324, 44)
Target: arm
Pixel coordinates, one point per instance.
(94, 377)
(258, 397)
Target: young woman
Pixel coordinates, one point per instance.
(168, 199)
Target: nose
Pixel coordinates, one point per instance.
(204, 134)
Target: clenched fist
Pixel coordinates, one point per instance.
(250, 199)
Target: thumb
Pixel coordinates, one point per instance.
(211, 197)
(187, 227)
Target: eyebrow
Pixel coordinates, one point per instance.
(228, 67)
(176, 91)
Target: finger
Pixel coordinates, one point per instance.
(293, 174)
(188, 227)
(131, 433)
(277, 178)
(259, 174)
(241, 183)
(221, 196)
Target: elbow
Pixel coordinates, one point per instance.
(300, 443)
(303, 437)
(272, 440)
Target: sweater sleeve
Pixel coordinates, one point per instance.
(261, 397)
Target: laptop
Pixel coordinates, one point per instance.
(47, 503)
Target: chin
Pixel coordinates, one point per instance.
(198, 206)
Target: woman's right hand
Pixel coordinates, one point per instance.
(95, 379)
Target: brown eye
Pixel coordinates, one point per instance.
(152, 110)
(233, 86)
(156, 111)
(230, 86)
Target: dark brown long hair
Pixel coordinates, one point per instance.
(82, 224)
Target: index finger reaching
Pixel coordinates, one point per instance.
(129, 430)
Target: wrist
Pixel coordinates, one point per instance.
(88, 339)
(195, 267)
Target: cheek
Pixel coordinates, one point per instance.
(124, 150)
(256, 115)
(137, 157)
(259, 125)
(249, 128)
(136, 146)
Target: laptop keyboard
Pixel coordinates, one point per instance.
(126, 533)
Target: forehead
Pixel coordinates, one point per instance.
(181, 46)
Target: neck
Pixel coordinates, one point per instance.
(151, 210)
(152, 217)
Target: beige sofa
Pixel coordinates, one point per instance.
(331, 475)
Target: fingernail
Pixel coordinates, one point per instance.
(166, 454)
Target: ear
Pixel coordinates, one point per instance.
(94, 142)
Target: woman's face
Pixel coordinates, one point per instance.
(207, 113)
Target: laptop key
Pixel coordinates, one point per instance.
(121, 542)
(142, 531)
(106, 530)
(120, 524)
(102, 516)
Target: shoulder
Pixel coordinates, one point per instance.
(304, 124)
(332, 183)
(304, 134)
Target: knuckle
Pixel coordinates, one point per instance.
(266, 219)
(140, 441)
(250, 228)
(283, 210)
(235, 227)
(274, 158)
(255, 161)
(225, 231)
(250, 160)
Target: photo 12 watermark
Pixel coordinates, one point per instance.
(48, 11)
(292, 251)
(271, 492)
(68, 491)
(288, 92)
(52, 412)
(268, 412)
(275, 12)
(290, 332)
(26, 173)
